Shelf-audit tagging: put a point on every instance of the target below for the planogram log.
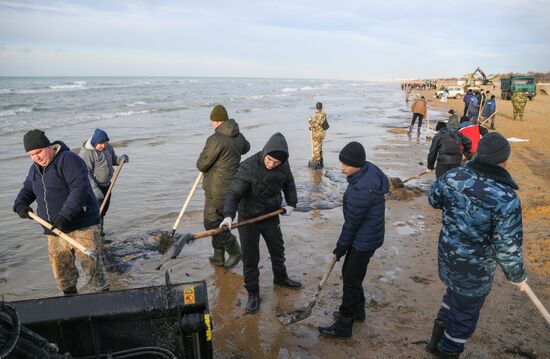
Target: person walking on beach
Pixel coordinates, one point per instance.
(452, 123)
(448, 147)
(488, 111)
(419, 109)
(473, 108)
(362, 234)
(219, 161)
(100, 157)
(317, 125)
(482, 227)
(255, 191)
(58, 182)
(466, 101)
(519, 100)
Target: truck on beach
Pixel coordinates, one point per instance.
(513, 84)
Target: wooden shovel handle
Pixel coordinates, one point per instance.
(537, 303)
(237, 225)
(71, 241)
(325, 277)
(415, 177)
(108, 194)
(187, 200)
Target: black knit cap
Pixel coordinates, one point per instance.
(353, 154)
(440, 125)
(35, 139)
(219, 114)
(278, 155)
(493, 148)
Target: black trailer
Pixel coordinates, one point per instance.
(167, 321)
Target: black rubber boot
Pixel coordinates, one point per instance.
(445, 355)
(218, 258)
(342, 328)
(235, 255)
(358, 316)
(253, 304)
(287, 283)
(437, 333)
(70, 291)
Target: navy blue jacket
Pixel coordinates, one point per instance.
(62, 189)
(364, 209)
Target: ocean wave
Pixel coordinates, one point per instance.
(136, 103)
(14, 111)
(76, 85)
(289, 89)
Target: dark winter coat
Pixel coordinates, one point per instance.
(364, 209)
(257, 190)
(447, 147)
(62, 189)
(467, 98)
(490, 108)
(220, 158)
(482, 227)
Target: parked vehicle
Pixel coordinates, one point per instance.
(513, 84)
(454, 92)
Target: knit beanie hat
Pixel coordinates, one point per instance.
(279, 155)
(493, 148)
(98, 137)
(35, 139)
(440, 125)
(353, 154)
(219, 113)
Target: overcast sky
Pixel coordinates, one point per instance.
(342, 39)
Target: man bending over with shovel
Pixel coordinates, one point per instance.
(58, 182)
(100, 157)
(256, 190)
(362, 233)
(219, 161)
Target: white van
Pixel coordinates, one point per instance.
(454, 92)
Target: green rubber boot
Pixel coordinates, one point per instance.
(218, 258)
(235, 255)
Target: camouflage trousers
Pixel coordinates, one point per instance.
(518, 111)
(63, 255)
(317, 144)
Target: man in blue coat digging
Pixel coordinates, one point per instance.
(362, 233)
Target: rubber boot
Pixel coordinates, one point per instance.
(342, 328)
(437, 333)
(235, 255)
(218, 258)
(445, 355)
(253, 304)
(410, 130)
(70, 291)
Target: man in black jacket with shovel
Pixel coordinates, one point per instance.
(256, 190)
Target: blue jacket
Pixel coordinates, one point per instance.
(467, 98)
(62, 189)
(482, 227)
(489, 108)
(364, 209)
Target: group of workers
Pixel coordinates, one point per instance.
(68, 189)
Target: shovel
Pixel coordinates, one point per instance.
(176, 248)
(396, 182)
(303, 313)
(185, 204)
(537, 303)
(71, 241)
(108, 194)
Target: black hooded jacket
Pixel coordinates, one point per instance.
(257, 190)
(447, 147)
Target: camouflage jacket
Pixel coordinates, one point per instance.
(519, 99)
(482, 227)
(316, 125)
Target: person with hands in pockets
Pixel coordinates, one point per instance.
(362, 233)
(256, 190)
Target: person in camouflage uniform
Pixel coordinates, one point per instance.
(519, 100)
(58, 182)
(482, 227)
(219, 161)
(317, 136)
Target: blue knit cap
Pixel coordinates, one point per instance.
(99, 136)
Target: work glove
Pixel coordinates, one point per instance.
(339, 252)
(521, 285)
(288, 210)
(22, 210)
(226, 223)
(123, 158)
(61, 223)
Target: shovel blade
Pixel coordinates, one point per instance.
(396, 182)
(288, 318)
(174, 250)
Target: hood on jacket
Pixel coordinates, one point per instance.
(276, 143)
(228, 128)
(374, 179)
(88, 144)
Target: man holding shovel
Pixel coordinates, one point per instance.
(482, 227)
(362, 233)
(219, 161)
(58, 182)
(256, 190)
(100, 157)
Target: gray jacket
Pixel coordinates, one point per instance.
(99, 164)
